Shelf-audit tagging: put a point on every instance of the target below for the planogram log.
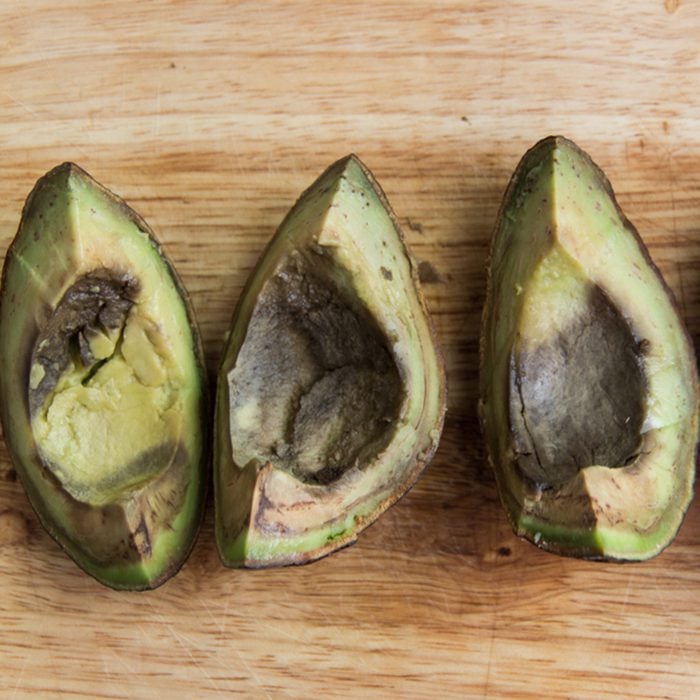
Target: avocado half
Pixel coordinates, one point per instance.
(331, 391)
(102, 383)
(589, 387)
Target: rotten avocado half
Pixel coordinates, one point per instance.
(331, 391)
(589, 388)
(102, 383)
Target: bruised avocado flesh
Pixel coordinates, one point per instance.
(102, 383)
(589, 390)
(331, 392)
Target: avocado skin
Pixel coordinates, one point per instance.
(109, 575)
(548, 534)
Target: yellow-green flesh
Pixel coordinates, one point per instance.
(90, 432)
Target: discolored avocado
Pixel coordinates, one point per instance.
(102, 383)
(589, 388)
(331, 392)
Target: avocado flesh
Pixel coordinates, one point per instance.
(588, 381)
(331, 391)
(102, 382)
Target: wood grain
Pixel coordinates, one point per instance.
(210, 118)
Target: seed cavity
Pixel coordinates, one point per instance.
(315, 389)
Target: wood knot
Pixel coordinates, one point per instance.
(427, 274)
(501, 554)
(14, 528)
(8, 474)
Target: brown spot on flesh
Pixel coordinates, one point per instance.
(96, 302)
(579, 400)
(141, 539)
(264, 516)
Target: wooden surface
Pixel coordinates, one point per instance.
(210, 118)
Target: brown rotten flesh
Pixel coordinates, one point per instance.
(331, 391)
(102, 383)
(589, 390)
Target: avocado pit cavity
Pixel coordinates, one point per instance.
(577, 380)
(101, 398)
(315, 390)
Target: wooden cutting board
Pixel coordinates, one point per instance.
(210, 118)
